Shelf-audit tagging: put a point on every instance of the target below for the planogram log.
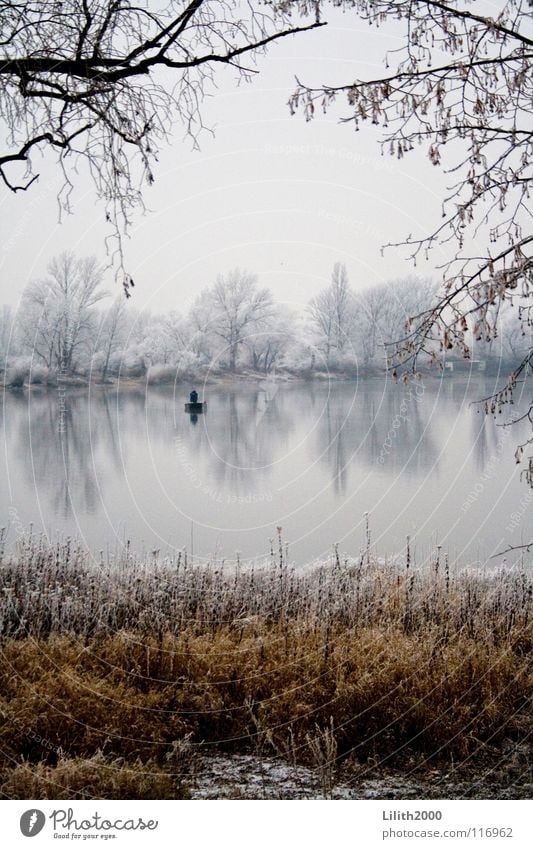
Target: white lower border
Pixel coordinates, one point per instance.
(269, 824)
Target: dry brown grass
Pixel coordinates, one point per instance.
(97, 777)
(112, 680)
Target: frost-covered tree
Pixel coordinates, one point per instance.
(230, 312)
(383, 311)
(370, 308)
(515, 337)
(57, 320)
(268, 345)
(169, 345)
(332, 313)
(111, 335)
(8, 341)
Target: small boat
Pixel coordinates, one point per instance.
(197, 407)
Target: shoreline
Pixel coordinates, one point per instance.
(250, 378)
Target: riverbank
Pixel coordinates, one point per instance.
(165, 375)
(127, 680)
(172, 378)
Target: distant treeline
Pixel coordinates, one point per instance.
(67, 324)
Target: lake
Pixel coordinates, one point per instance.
(124, 464)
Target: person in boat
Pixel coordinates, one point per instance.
(193, 397)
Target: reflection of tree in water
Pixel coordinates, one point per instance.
(360, 422)
(158, 410)
(58, 442)
(459, 396)
(336, 445)
(245, 435)
(107, 427)
(487, 439)
(244, 432)
(414, 446)
(479, 438)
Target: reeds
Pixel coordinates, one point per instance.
(55, 589)
(345, 663)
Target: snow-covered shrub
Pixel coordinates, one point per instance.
(190, 365)
(39, 375)
(161, 374)
(302, 360)
(115, 363)
(132, 365)
(17, 373)
(97, 363)
(345, 362)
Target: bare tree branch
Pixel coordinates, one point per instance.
(90, 79)
(462, 83)
(525, 547)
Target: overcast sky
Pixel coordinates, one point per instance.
(269, 192)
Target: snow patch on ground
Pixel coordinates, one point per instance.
(252, 777)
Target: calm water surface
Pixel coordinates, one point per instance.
(311, 458)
